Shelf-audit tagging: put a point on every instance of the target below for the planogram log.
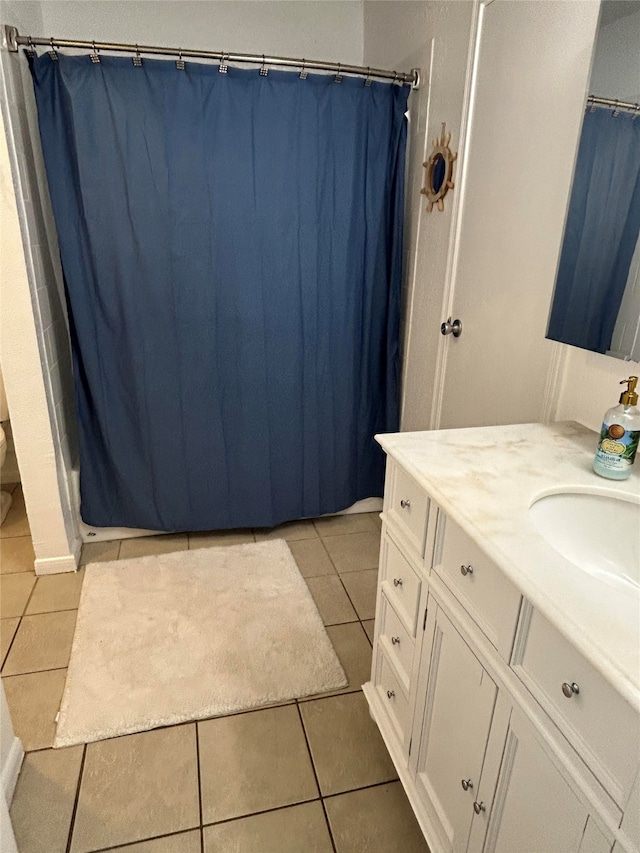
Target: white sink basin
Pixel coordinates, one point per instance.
(598, 533)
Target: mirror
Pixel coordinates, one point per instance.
(436, 174)
(439, 171)
(596, 301)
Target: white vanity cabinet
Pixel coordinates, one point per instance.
(460, 699)
(535, 807)
(469, 689)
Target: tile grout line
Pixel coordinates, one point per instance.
(129, 844)
(363, 788)
(349, 597)
(239, 817)
(13, 639)
(30, 596)
(315, 776)
(188, 722)
(34, 672)
(49, 612)
(376, 567)
(77, 799)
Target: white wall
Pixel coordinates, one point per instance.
(616, 61)
(316, 29)
(590, 386)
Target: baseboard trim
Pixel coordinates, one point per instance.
(56, 565)
(11, 769)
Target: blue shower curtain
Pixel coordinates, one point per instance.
(601, 233)
(231, 245)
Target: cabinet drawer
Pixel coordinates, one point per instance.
(400, 583)
(407, 508)
(491, 600)
(397, 642)
(602, 726)
(391, 694)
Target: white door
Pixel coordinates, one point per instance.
(533, 62)
(535, 810)
(455, 730)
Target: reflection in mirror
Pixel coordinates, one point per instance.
(437, 173)
(596, 302)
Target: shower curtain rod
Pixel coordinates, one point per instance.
(13, 40)
(626, 106)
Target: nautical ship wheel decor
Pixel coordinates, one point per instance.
(439, 171)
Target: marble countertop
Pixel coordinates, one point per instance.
(486, 478)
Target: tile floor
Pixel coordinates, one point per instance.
(310, 776)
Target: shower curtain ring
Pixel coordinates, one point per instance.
(367, 82)
(616, 111)
(137, 59)
(338, 77)
(31, 48)
(395, 78)
(304, 73)
(223, 67)
(52, 53)
(264, 70)
(94, 56)
(179, 61)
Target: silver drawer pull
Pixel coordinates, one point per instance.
(405, 504)
(395, 641)
(570, 689)
(391, 694)
(478, 807)
(467, 784)
(397, 581)
(466, 570)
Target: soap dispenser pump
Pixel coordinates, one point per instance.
(619, 435)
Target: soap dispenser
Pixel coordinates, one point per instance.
(619, 436)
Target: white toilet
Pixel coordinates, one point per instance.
(5, 497)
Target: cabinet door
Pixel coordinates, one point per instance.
(457, 718)
(535, 807)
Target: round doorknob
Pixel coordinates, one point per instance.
(405, 504)
(570, 689)
(466, 570)
(395, 641)
(397, 581)
(466, 784)
(390, 694)
(478, 807)
(449, 328)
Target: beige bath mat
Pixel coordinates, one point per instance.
(192, 634)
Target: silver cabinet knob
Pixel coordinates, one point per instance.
(466, 784)
(466, 570)
(478, 807)
(397, 581)
(395, 641)
(405, 504)
(449, 328)
(570, 689)
(391, 694)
